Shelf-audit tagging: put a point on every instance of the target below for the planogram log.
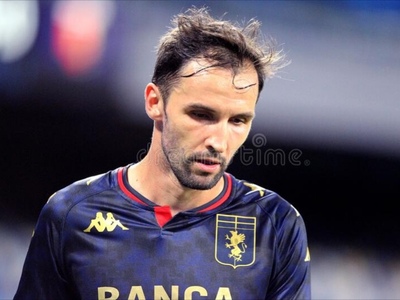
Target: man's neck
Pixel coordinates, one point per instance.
(163, 188)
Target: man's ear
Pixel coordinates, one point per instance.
(154, 103)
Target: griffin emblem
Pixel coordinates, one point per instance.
(236, 244)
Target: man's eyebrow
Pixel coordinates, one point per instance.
(247, 115)
(200, 107)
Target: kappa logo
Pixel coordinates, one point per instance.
(109, 223)
(230, 246)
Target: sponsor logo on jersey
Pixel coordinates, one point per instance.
(137, 292)
(235, 240)
(101, 224)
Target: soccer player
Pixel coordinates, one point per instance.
(177, 225)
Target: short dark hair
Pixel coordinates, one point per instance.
(197, 35)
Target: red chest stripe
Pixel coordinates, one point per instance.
(163, 214)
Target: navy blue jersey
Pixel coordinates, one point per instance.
(100, 239)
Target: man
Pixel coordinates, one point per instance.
(176, 225)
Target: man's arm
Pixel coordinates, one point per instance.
(42, 275)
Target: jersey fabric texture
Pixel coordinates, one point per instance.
(100, 239)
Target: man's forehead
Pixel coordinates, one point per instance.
(244, 78)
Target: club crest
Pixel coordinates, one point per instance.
(235, 240)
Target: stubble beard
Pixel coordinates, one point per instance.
(181, 166)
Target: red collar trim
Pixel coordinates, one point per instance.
(125, 189)
(224, 197)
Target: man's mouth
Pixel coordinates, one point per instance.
(208, 161)
(207, 164)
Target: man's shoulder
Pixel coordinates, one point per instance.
(246, 189)
(67, 197)
(271, 202)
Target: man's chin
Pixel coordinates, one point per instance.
(203, 181)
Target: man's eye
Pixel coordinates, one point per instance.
(239, 120)
(201, 115)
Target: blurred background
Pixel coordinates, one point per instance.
(326, 136)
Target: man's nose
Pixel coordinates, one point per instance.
(217, 140)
